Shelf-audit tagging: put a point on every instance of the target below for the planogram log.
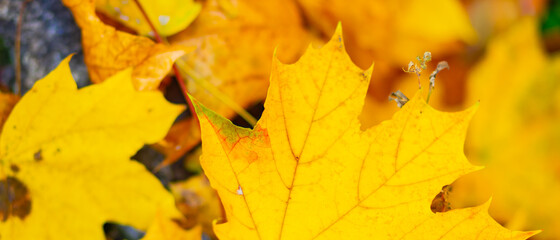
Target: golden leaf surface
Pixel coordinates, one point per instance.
(65, 158)
(108, 51)
(516, 132)
(167, 16)
(307, 171)
(247, 32)
(165, 229)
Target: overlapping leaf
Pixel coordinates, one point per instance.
(197, 200)
(166, 229)
(516, 132)
(392, 31)
(108, 51)
(307, 171)
(168, 17)
(248, 32)
(65, 158)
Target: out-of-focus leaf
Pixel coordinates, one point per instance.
(180, 139)
(107, 50)
(490, 17)
(516, 132)
(234, 44)
(391, 31)
(234, 47)
(165, 229)
(167, 16)
(198, 202)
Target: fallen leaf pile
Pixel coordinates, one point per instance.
(154, 148)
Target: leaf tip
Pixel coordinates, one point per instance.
(486, 205)
(470, 111)
(123, 77)
(202, 112)
(60, 77)
(198, 107)
(337, 36)
(275, 55)
(64, 65)
(338, 30)
(529, 234)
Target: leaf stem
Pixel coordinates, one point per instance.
(429, 94)
(156, 34)
(18, 47)
(178, 77)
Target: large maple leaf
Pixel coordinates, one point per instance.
(65, 158)
(307, 171)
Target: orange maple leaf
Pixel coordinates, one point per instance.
(108, 51)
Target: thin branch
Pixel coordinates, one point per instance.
(18, 47)
(178, 76)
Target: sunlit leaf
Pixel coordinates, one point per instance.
(65, 158)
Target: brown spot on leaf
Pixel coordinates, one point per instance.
(38, 156)
(14, 168)
(441, 201)
(15, 200)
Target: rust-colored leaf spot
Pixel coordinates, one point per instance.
(441, 201)
(38, 155)
(14, 168)
(15, 200)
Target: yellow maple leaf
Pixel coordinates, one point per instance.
(516, 132)
(65, 158)
(307, 171)
(108, 51)
(248, 32)
(168, 16)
